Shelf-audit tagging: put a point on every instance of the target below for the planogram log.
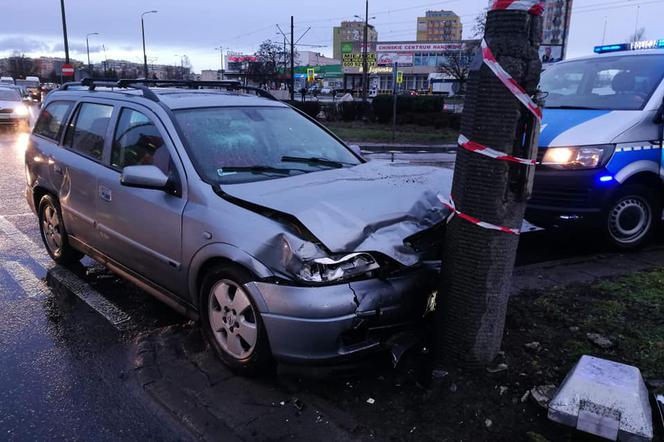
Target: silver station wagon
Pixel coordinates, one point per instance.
(239, 211)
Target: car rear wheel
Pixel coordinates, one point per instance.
(632, 217)
(231, 322)
(54, 234)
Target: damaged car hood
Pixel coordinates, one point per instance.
(370, 207)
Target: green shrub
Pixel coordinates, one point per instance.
(311, 108)
(425, 104)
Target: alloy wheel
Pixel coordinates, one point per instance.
(232, 319)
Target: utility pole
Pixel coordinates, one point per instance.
(221, 56)
(365, 55)
(87, 47)
(64, 30)
(145, 57)
(292, 58)
(479, 261)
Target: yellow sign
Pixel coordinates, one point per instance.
(354, 60)
(311, 75)
(399, 77)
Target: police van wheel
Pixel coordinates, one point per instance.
(632, 217)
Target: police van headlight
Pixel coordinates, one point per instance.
(579, 157)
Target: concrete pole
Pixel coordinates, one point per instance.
(477, 262)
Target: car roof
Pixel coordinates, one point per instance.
(173, 98)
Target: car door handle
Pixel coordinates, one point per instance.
(105, 193)
(58, 169)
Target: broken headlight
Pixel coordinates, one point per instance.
(330, 269)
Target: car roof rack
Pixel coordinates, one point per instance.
(141, 84)
(195, 84)
(92, 84)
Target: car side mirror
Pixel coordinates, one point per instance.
(144, 177)
(356, 149)
(659, 117)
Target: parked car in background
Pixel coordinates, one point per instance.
(242, 212)
(13, 111)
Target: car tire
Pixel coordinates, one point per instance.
(53, 232)
(632, 217)
(231, 321)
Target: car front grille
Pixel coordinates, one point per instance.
(560, 197)
(6, 111)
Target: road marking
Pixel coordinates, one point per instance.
(70, 281)
(19, 215)
(29, 283)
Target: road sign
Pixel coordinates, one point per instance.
(399, 77)
(67, 70)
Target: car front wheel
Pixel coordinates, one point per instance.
(632, 217)
(231, 322)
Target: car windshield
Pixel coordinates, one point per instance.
(9, 95)
(242, 144)
(606, 83)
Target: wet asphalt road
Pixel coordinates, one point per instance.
(65, 345)
(63, 369)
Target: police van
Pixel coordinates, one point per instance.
(600, 158)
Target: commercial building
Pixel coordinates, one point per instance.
(311, 58)
(439, 26)
(419, 62)
(351, 32)
(557, 17)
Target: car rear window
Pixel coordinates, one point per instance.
(52, 119)
(86, 133)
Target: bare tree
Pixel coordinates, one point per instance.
(638, 35)
(457, 64)
(20, 66)
(269, 61)
(480, 24)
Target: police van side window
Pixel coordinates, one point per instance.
(87, 130)
(52, 119)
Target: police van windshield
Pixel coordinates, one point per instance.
(608, 83)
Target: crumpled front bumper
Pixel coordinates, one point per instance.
(329, 324)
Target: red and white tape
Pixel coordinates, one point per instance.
(535, 7)
(508, 81)
(492, 153)
(471, 219)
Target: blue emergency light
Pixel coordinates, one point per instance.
(634, 46)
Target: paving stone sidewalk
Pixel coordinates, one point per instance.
(184, 376)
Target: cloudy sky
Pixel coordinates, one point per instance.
(197, 27)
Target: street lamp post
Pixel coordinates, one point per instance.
(221, 59)
(365, 52)
(87, 47)
(145, 57)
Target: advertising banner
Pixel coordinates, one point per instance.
(389, 58)
(354, 60)
(418, 47)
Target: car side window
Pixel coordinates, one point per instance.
(52, 119)
(137, 142)
(87, 130)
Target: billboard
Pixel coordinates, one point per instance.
(389, 58)
(354, 60)
(419, 47)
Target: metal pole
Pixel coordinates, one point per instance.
(395, 97)
(145, 56)
(568, 12)
(292, 57)
(365, 61)
(64, 30)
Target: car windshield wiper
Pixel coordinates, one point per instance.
(315, 160)
(254, 169)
